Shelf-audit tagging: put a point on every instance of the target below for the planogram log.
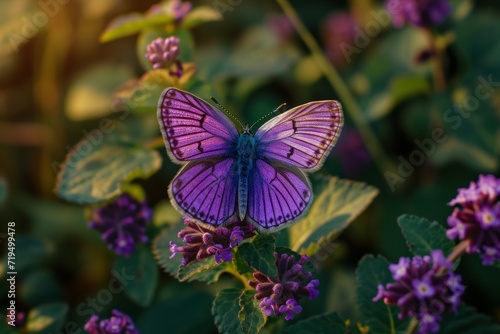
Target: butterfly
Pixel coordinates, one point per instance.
(228, 175)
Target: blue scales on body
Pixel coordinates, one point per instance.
(246, 157)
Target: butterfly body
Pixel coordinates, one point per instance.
(246, 157)
(228, 175)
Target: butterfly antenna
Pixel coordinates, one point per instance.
(226, 111)
(268, 114)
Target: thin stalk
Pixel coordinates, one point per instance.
(437, 61)
(351, 106)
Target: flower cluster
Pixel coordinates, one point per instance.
(281, 294)
(201, 242)
(119, 323)
(122, 223)
(338, 34)
(477, 218)
(421, 13)
(180, 10)
(424, 287)
(164, 53)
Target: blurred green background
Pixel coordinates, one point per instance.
(57, 82)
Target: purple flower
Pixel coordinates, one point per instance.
(280, 25)
(424, 287)
(352, 152)
(119, 323)
(122, 223)
(201, 242)
(477, 218)
(338, 33)
(180, 10)
(421, 13)
(164, 53)
(281, 294)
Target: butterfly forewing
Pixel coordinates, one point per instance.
(302, 136)
(278, 195)
(206, 190)
(192, 129)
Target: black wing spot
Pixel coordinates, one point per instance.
(171, 93)
(180, 197)
(288, 216)
(179, 153)
(185, 205)
(271, 220)
(318, 152)
(280, 218)
(174, 142)
(202, 119)
(301, 204)
(168, 121)
(294, 127)
(305, 193)
(289, 154)
(324, 142)
(211, 218)
(171, 131)
(295, 212)
(201, 214)
(199, 147)
(168, 103)
(193, 209)
(178, 184)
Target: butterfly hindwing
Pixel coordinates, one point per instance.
(206, 190)
(192, 129)
(302, 136)
(278, 195)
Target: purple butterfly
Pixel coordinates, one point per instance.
(227, 175)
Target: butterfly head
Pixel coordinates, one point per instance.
(247, 131)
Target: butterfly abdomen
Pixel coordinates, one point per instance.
(246, 157)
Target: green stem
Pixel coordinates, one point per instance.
(412, 327)
(242, 278)
(437, 60)
(369, 138)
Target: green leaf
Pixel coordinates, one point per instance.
(323, 323)
(96, 169)
(468, 321)
(212, 275)
(252, 320)
(258, 53)
(32, 295)
(200, 15)
(161, 249)
(133, 23)
(423, 236)
(336, 203)
(241, 266)
(259, 254)
(225, 310)
(184, 307)
(47, 318)
(379, 317)
(143, 266)
(30, 251)
(194, 268)
(90, 94)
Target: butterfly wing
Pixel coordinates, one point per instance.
(279, 194)
(302, 136)
(192, 129)
(205, 190)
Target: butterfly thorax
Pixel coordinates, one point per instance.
(246, 158)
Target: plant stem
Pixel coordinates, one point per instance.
(437, 60)
(413, 326)
(369, 138)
